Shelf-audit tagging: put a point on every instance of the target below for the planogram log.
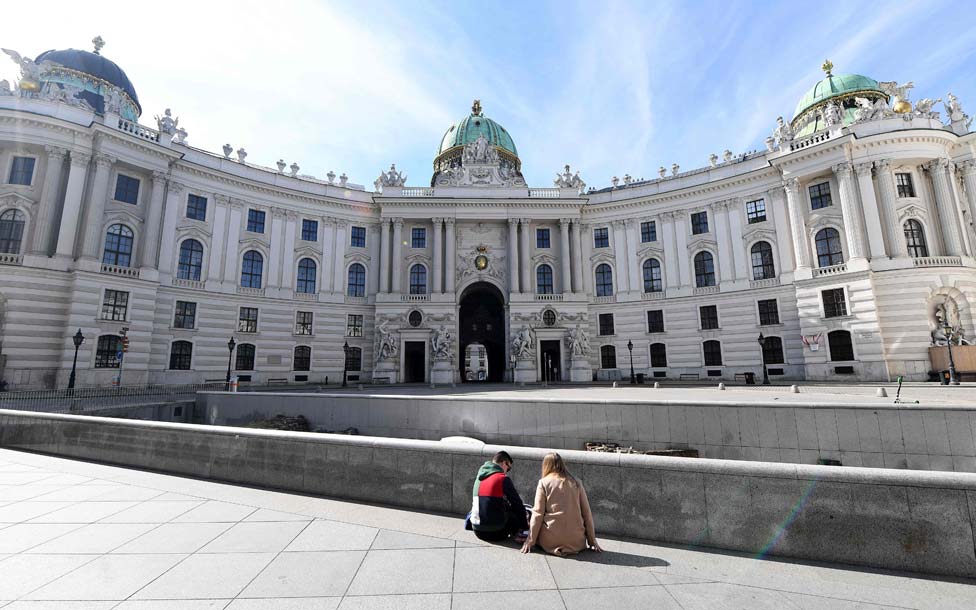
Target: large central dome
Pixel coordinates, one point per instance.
(467, 131)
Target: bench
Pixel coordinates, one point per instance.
(688, 377)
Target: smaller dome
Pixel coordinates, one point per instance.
(835, 86)
(470, 127)
(94, 65)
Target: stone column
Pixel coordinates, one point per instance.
(566, 278)
(339, 256)
(277, 248)
(869, 206)
(897, 248)
(671, 279)
(777, 208)
(385, 255)
(630, 251)
(586, 252)
(720, 211)
(948, 216)
(622, 272)
(450, 256)
(232, 253)
(438, 272)
(219, 245)
(71, 211)
(289, 267)
(96, 207)
(681, 241)
(853, 227)
(956, 187)
(525, 260)
(577, 260)
(513, 257)
(798, 225)
(967, 169)
(153, 226)
(397, 262)
(47, 209)
(328, 256)
(740, 258)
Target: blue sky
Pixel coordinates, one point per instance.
(611, 88)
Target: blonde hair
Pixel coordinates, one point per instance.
(553, 464)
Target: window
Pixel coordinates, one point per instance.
(356, 281)
(115, 305)
(542, 238)
(762, 261)
(704, 270)
(756, 211)
(303, 323)
(107, 352)
(820, 196)
(652, 276)
(834, 303)
(773, 350)
(252, 270)
(905, 186)
(418, 279)
(118, 246)
(606, 323)
(180, 353)
(699, 223)
(247, 320)
(543, 279)
(601, 238)
(22, 171)
(310, 230)
(648, 231)
(708, 315)
(354, 359)
(11, 231)
(303, 358)
(608, 357)
(245, 357)
(190, 266)
(418, 237)
(549, 317)
(306, 276)
(655, 321)
(768, 312)
(829, 251)
(196, 207)
(659, 356)
(604, 280)
(255, 221)
(414, 319)
(357, 237)
(354, 325)
(914, 237)
(126, 189)
(712, 351)
(841, 347)
(185, 315)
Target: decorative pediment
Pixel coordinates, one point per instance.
(11, 199)
(193, 231)
(832, 212)
(358, 257)
(757, 234)
(122, 216)
(702, 241)
(309, 251)
(653, 248)
(603, 256)
(823, 222)
(542, 257)
(912, 211)
(256, 243)
(417, 257)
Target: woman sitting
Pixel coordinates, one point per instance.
(562, 523)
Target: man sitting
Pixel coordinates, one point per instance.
(497, 511)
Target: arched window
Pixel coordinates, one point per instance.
(306, 276)
(604, 280)
(543, 279)
(245, 357)
(652, 276)
(118, 246)
(659, 356)
(418, 279)
(762, 261)
(608, 357)
(356, 286)
(712, 351)
(773, 350)
(354, 359)
(11, 231)
(106, 352)
(914, 237)
(704, 269)
(303, 358)
(191, 260)
(829, 251)
(841, 346)
(252, 269)
(180, 354)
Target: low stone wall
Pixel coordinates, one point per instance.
(873, 435)
(906, 520)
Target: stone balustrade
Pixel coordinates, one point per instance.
(544, 193)
(657, 295)
(119, 270)
(831, 270)
(414, 298)
(310, 297)
(139, 131)
(548, 297)
(251, 292)
(195, 284)
(413, 191)
(937, 261)
(11, 259)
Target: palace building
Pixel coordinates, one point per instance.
(846, 244)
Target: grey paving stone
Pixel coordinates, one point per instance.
(310, 574)
(20, 478)
(510, 570)
(214, 511)
(59, 605)
(257, 537)
(175, 538)
(16, 493)
(24, 573)
(74, 493)
(25, 511)
(203, 576)
(321, 535)
(83, 512)
(395, 572)
(264, 514)
(22, 536)
(128, 493)
(813, 602)
(92, 538)
(509, 600)
(174, 604)
(152, 511)
(725, 596)
(108, 577)
(602, 570)
(389, 539)
(430, 601)
(307, 603)
(657, 598)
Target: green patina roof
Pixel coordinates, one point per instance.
(469, 128)
(833, 86)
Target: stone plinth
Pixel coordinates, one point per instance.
(580, 370)
(442, 372)
(385, 370)
(525, 371)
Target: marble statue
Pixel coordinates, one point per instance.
(180, 136)
(479, 152)
(674, 169)
(30, 72)
(832, 115)
(770, 145)
(615, 181)
(783, 134)
(5, 88)
(390, 178)
(294, 167)
(241, 155)
(343, 179)
(112, 101)
(923, 108)
(726, 155)
(947, 315)
(897, 93)
(442, 344)
(523, 343)
(166, 123)
(713, 159)
(627, 179)
(330, 176)
(228, 149)
(871, 111)
(281, 166)
(579, 344)
(662, 172)
(567, 180)
(388, 343)
(953, 107)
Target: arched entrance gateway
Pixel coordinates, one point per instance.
(481, 319)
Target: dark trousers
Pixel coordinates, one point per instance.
(515, 521)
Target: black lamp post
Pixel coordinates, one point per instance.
(78, 339)
(230, 354)
(949, 331)
(762, 350)
(345, 361)
(630, 348)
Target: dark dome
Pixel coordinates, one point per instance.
(93, 65)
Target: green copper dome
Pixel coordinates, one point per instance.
(835, 86)
(842, 90)
(470, 127)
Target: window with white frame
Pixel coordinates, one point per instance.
(115, 305)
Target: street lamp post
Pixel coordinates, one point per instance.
(78, 339)
(630, 348)
(345, 361)
(230, 354)
(948, 331)
(762, 350)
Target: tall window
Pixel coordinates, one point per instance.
(648, 231)
(310, 230)
(22, 171)
(606, 323)
(126, 189)
(601, 237)
(190, 266)
(829, 251)
(604, 280)
(655, 321)
(841, 346)
(834, 303)
(356, 285)
(699, 223)
(247, 320)
(773, 350)
(252, 269)
(704, 269)
(768, 312)
(107, 351)
(652, 276)
(905, 186)
(354, 325)
(542, 238)
(306, 276)
(418, 237)
(915, 238)
(820, 196)
(756, 211)
(255, 221)
(543, 279)
(303, 323)
(659, 356)
(303, 358)
(196, 207)
(118, 246)
(712, 350)
(762, 261)
(180, 354)
(708, 314)
(115, 305)
(11, 231)
(185, 315)
(354, 359)
(608, 357)
(245, 357)
(357, 237)
(418, 279)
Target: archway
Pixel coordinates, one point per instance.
(481, 319)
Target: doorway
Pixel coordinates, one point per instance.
(414, 361)
(481, 319)
(549, 362)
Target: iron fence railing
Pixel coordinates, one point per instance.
(93, 399)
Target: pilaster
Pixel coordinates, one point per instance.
(869, 207)
(437, 279)
(339, 256)
(450, 257)
(96, 206)
(948, 217)
(384, 262)
(397, 262)
(798, 228)
(886, 187)
(526, 277)
(513, 256)
(740, 258)
(853, 227)
(565, 258)
(153, 226)
(577, 258)
(45, 220)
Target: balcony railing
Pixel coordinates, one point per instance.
(611, 298)
(831, 270)
(548, 297)
(138, 130)
(117, 270)
(705, 289)
(766, 283)
(311, 297)
(937, 261)
(546, 193)
(355, 300)
(414, 191)
(413, 298)
(251, 292)
(11, 259)
(811, 141)
(182, 283)
(652, 296)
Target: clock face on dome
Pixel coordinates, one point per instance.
(481, 262)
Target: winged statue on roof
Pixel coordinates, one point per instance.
(30, 71)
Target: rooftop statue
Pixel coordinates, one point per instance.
(568, 180)
(832, 115)
(923, 108)
(30, 72)
(871, 111)
(783, 134)
(5, 88)
(166, 123)
(180, 136)
(898, 95)
(390, 178)
(65, 94)
(955, 112)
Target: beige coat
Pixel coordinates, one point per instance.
(561, 523)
